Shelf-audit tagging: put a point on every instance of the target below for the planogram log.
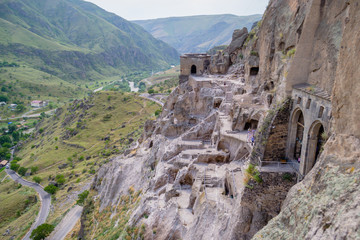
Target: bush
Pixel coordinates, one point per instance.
(42, 231)
(51, 189)
(60, 179)
(37, 179)
(82, 197)
(151, 91)
(22, 171)
(34, 169)
(157, 112)
(14, 166)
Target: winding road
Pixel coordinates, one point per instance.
(44, 197)
(66, 224)
(151, 98)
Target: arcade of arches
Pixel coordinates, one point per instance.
(309, 124)
(305, 142)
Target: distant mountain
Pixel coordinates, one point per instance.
(197, 33)
(74, 39)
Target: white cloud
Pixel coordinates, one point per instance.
(146, 9)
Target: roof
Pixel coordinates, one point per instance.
(3, 162)
(36, 101)
(313, 90)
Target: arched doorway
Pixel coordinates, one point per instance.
(315, 144)
(296, 135)
(299, 136)
(193, 69)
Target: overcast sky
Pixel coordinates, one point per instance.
(149, 9)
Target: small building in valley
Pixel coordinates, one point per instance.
(3, 163)
(38, 104)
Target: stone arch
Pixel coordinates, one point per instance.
(314, 145)
(296, 134)
(193, 69)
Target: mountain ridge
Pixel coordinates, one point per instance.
(197, 33)
(91, 38)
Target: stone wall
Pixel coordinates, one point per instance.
(260, 203)
(276, 144)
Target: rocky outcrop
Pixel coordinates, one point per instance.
(325, 204)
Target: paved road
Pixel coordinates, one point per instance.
(28, 115)
(44, 197)
(149, 97)
(67, 224)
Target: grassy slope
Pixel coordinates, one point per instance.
(18, 207)
(197, 33)
(128, 113)
(77, 40)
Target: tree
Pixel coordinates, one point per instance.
(37, 179)
(14, 166)
(151, 91)
(4, 152)
(11, 128)
(82, 197)
(16, 136)
(51, 189)
(34, 169)
(6, 145)
(22, 171)
(2, 97)
(20, 108)
(42, 231)
(5, 139)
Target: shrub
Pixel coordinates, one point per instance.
(56, 147)
(287, 176)
(22, 171)
(82, 197)
(157, 112)
(51, 189)
(107, 117)
(37, 179)
(34, 169)
(42, 231)
(14, 166)
(254, 53)
(291, 52)
(60, 179)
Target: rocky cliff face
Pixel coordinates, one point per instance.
(326, 204)
(192, 164)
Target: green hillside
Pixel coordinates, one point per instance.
(197, 33)
(75, 143)
(77, 40)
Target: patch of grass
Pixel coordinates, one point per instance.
(18, 207)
